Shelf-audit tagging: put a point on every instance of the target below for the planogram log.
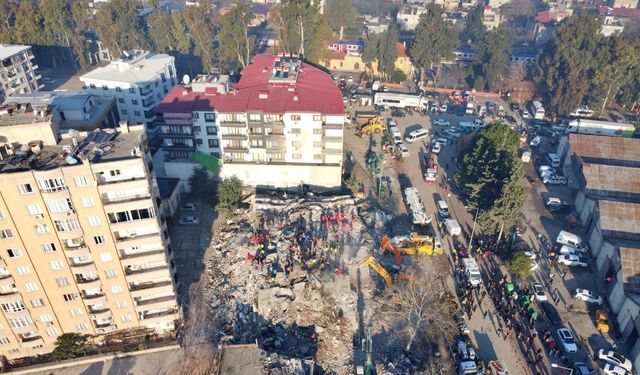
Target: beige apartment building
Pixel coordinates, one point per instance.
(83, 246)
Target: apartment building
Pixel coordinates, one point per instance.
(17, 71)
(84, 248)
(138, 80)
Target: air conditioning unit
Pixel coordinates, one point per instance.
(39, 216)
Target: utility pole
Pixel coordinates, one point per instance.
(368, 364)
(473, 229)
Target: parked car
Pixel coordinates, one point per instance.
(551, 313)
(580, 368)
(443, 108)
(572, 260)
(554, 180)
(501, 111)
(566, 339)
(188, 207)
(404, 151)
(556, 204)
(564, 249)
(535, 142)
(611, 369)
(514, 107)
(588, 296)
(602, 321)
(189, 220)
(436, 148)
(441, 122)
(524, 114)
(444, 141)
(510, 119)
(609, 356)
(538, 292)
(398, 113)
(453, 132)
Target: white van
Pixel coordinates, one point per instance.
(453, 228)
(443, 209)
(404, 151)
(570, 239)
(554, 160)
(395, 134)
(417, 135)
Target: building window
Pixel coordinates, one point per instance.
(136, 113)
(4, 341)
(199, 141)
(126, 318)
(13, 307)
(134, 101)
(123, 111)
(296, 130)
(2, 216)
(317, 131)
(92, 85)
(197, 129)
(209, 117)
(52, 332)
(111, 274)
(317, 118)
(42, 229)
(75, 312)
(14, 253)
(62, 281)
(23, 270)
(37, 302)
(48, 247)
(297, 156)
(31, 287)
(67, 225)
(215, 155)
(106, 257)
(25, 189)
(44, 318)
(6, 233)
(34, 209)
(116, 289)
(118, 89)
(132, 90)
(87, 202)
(49, 185)
(195, 115)
(255, 117)
(56, 265)
(131, 215)
(60, 205)
(212, 130)
(121, 100)
(99, 240)
(115, 172)
(94, 221)
(82, 327)
(21, 322)
(104, 87)
(81, 181)
(295, 117)
(70, 297)
(296, 144)
(214, 143)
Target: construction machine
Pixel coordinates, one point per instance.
(411, 245)
(373, 125)
(371, 262)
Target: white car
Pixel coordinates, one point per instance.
(444, 141)
(453, 132)
(188, 207)
(538, 291)
(546, 168)
(443, 108)
(568, 342)
(436, 148)
(554, 180)
(535, 141)
(614, 358)
(611, 369)
(568, 250)
(553, 201)
(404, 151)
(572, 260)
(525, 114)
(547, 173)
(588, 296)
(189, 220)
(441, 122)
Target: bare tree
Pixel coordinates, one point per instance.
(422, 307)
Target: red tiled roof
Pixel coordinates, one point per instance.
(314, 91)
(400, 50)
(619, 12)
(546, 16)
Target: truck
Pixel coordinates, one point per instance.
(598, 127)
(472, 271)
(399, 100)
(375, 86)
(417, 211)
(453, 228)
(431, 171)
(536, 109)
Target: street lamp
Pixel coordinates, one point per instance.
(555, 365)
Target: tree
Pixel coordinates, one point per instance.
(492, 59)
(566, 64)
(340, 14)
(229, 195)
(161, 31)
(474, 29)
(201, 183)
(235, 42)
(370, 53)
(200, 26)
(491, 175)
(8, 9)
(520, 265)
(435, 39)
(297, 14)
(398, 76)
(301, 28)
(29, 25)
(119, 27)
(422, 309)
(70, 345)
(387, 53)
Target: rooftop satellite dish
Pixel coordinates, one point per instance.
(186, 79)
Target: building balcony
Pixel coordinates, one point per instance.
(236, 149)
(136, 240)
(176, 135)
(234, 136)
(94, 299)
(70, 234)
(25, 330)
(31, 342)
(142, 275)
(122, 181)
(100, 313)
(77, 251)
(71, 214)
(176, 146)
(126, 199)
(85, 283)
(332, 139)
(105, 328)
(149, 287)
(7, 281)
(143, 257)
(78, 268)
(159, 317)
(331, 151)
(233, 123)
(165, 302)
(142, 223)
(14, 296)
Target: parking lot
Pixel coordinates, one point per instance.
(578, 316)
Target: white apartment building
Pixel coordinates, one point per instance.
(84, 246)
(281, 125)
(17, 71)
(138, 80)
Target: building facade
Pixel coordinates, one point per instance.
(280, 126)
(17, 71)
(138, 80)
(84, 247)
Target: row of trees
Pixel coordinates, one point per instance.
(382, 48)
(581, 66)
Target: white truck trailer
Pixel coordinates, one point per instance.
(417, 211)
(597, 127)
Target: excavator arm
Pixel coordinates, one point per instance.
(371, 262)
(386, 244)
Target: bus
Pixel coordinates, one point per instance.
(598, 127)
(536, 109)
(399, 100)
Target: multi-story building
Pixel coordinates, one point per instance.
(138, 80)
(408, 16)
(280, 126)
(17, 71)
(84, 248)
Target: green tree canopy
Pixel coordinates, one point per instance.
(435, 39)
(387, 53)
(119, 27)
(474, 29)
(340, 14)
(520, 265)
(200, 26)
(235, 42)
(229, 196)
(70, 345)
(492, 58)
(491, 174)
(161, 31)
(201, 183)
(29, 25)
(300, 28)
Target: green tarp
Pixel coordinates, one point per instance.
(213, 164)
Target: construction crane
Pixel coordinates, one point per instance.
(371, 262)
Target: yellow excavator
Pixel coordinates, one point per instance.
(415, 244)
(371, 262)
(374, 125)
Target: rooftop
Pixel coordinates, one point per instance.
(95, 146)
(630, 260)
(8, 50)
(620, 217)
(619, 12)
(546, 16)
(166, 186)
(613, 150)
(612, 178)
(132, 67)
(312, 91)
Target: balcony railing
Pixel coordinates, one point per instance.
(129, 179)
(132, 237)
(149, 285)
(84, 280)
(130, 271)
(141, 254)
(130, 198)
(92, 296)
(155, 300)
(159, 314)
